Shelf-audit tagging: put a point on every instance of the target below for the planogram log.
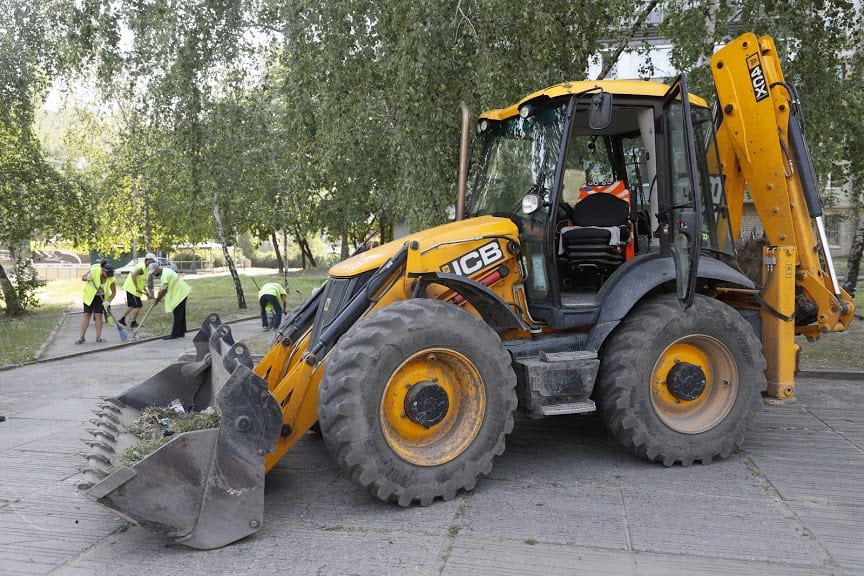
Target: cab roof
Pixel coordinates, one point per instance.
(636, 88)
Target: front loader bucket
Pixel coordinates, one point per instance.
(204, 488)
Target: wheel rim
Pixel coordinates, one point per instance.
(712, 397)
(449, 429)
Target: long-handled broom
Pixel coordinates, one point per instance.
(141, 323)
(124, 335)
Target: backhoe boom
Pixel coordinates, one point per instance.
(763, 151)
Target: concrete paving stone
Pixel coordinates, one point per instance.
(302, 551)
(591, 517)
(18, 432)
(726, 476)
(839, 419)
(23, 474)
(42, 532)
(815, 391)
(479, 557)
(563, 499)
(719, 526)
(817, 479)
(75, 409)
(346, 506)
(840, 530)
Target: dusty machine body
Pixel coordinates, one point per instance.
(591, 263)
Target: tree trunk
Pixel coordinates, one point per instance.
(307, 253)
(305, 250)
(346, 248)
(854, 263)
(220, 233)
(279, 261)
(10, 295)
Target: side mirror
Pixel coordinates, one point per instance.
(600, 115)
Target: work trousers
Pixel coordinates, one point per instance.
(277, 310)
(178, 328)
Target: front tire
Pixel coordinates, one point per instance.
(677, 385)
(416, 401)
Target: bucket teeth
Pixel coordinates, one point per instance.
(105, 424)
(104, 433)
(99, 473)
(102, 459)
(110, 401)
(97, 445)
(109, 414)
(115, 406)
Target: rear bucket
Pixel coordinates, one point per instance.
(203, 488)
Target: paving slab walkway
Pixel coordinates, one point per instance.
(563, 498)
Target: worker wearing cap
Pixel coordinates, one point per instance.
(135, 286)
(99, 280)
(272, 296)
(174, 290)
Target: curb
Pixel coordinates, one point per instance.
(50, 339)
(820, 375)
(96, 350)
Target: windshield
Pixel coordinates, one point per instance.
(513, 157)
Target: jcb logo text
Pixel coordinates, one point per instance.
(475, 260)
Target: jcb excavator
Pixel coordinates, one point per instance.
(591, 266)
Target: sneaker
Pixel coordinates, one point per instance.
(265, 328)
(100, 340)
(79, 341)
(122, 321)
(134, 324)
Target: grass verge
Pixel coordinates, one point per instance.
(21, 338)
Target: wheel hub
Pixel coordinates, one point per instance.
(686, 381)
(426, 404)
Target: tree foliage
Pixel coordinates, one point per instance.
(35, 200)
(292, 118)
(821, 46)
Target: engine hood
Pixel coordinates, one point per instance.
(450, 233)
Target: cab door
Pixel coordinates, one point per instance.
(680, 207)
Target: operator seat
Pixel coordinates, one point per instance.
(601, 237)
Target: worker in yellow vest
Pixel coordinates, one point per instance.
(174, 290)
(135, 286)
(99, 280)
(272, 297)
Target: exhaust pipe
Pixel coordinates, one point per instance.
(462, 184)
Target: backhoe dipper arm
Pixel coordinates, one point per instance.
(762, 147)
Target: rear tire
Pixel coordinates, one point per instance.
(416, 401)
(678, 386)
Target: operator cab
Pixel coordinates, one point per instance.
(586, 173)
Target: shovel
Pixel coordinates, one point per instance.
(124, 335)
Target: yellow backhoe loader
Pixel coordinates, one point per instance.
(591, 266)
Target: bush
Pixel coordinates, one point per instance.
(264, 259)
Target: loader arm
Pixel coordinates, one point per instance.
(760, 136)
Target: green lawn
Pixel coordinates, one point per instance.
(21, 338)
